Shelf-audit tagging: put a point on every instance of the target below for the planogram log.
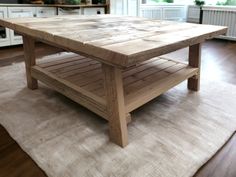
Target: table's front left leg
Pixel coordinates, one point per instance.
(195, 61)
(113, 85)
(29, 53)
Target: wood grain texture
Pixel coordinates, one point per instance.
(223, 163)
(116, 40)
(120, 41)
(195, 61)
(142, 82)
(14, 162)
(82, 80)
(30, 60)
(15, 54)
(77, 94)
(113, 85)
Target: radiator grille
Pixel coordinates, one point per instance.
(164, 13)
(152, 13)
(223, 18)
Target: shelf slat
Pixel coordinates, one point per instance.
(142, 82)
(151, 88)
(74, 92)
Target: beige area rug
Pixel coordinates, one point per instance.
(172, 136)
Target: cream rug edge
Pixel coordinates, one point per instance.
(149, 110)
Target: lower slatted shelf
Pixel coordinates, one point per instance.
(142, 83)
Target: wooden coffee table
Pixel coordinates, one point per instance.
(118, 67)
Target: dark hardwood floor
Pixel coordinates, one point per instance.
(219, 63)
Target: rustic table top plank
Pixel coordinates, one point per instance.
(116, 40)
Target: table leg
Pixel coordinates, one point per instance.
(113, 83)
(195, 61)
(29, 52)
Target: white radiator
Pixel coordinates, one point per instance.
(164, 12)
(152, 13)
(223, 16)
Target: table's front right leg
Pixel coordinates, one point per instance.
(115, 105)
(29, 53)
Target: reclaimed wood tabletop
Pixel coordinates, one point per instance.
(116, 40)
